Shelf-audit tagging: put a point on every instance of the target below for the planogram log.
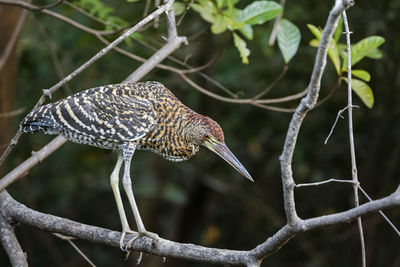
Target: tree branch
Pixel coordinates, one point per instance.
(10, 242)
(50, 223)
(306, 104)
(354, 172)
(36, 157)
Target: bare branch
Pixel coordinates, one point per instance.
(324, 182)
(163, 247)
(305, 105)
(12, 113)
(380, 212)
(10, 242)
(36, 157)
(354, 174)
(275, 29)
(69, 240)
(272, 85)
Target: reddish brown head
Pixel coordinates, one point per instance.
(213, 128)
(208, 133)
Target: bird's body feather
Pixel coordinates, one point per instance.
(146, 115)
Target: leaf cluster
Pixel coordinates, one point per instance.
(367, 47)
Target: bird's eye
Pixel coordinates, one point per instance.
(206, 136)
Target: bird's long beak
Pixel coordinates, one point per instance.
(223, 151)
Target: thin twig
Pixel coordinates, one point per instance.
(354, 174)
(275, 29)
(243, 100)
(69, 240)
(324, 182)
(272, 85)
(380, 212)
(12, 113)
(36, 157)
(339, 115)
(184, 13)
(56, 15)
(306, 104)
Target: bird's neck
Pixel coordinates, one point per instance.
(193, 129)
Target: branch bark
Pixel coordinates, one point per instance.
(306, 104)
(10, 243)
(18, 212)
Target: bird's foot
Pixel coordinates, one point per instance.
(122, 246)
(151, 235)
(128, 245)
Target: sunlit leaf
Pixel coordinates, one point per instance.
(362, 74)
(317, 32)
(206, 10)
(339, 30)
(259, 12)
(314, 43)
(247, 31)
(363, 91)
(242, 48)
(179, 8)
(219, 25)
(363, 48)
(375, 54)
(288, 39)
(333, 50)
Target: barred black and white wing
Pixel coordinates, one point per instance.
(103, 117)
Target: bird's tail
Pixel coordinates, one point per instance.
(39, 120)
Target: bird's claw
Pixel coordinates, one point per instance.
(126, 247)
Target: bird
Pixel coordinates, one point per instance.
(126, 117)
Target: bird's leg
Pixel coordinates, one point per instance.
(114, 179)
(126, 181)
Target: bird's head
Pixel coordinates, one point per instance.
(210, 135)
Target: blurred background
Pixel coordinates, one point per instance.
(204, 201)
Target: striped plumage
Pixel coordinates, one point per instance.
(126, 117)
(146, 114)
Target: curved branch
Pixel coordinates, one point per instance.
(50, 223)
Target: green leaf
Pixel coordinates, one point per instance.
(363, 91)
(375, 54)
(179, 8)
(362, 74)
(339, 30)
(241, 46)
(219, 25)
(333, 50)
(314, 43)
(288, 39)
(259, 12)
(363, 48)
(314, 30)
(247, 31)
(207, 10)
